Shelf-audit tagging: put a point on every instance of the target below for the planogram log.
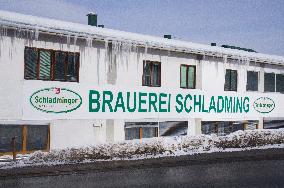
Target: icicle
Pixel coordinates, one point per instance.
(98, 64)
(36, 34)
(225, 60)
(146, 50)
(89, 41)
(106, 55)
(68, 40)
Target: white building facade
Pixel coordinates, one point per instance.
(72, 85)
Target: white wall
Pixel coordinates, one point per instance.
(76, 133)
(93, 70)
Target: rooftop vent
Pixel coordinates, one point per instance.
(92, 19)
(238, 48)
(168, 36)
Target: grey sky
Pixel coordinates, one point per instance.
(256, 24)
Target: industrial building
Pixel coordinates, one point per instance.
(71, 85)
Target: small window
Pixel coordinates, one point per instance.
(42, 64)
(269, 82)
(280, 83)
(252, 81)
(187, 76)
(151, 74)
(231, 80)
(31, 63)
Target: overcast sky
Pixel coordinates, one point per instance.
(256, 24)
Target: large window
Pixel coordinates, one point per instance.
(43, 64)
(231, 80)
(252, 81)
(187, 76)
(28, 138)
(151, 74)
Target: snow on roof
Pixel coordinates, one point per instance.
(16, 20)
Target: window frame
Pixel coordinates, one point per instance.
(151, 63)
(230, 86)
(24, 150)
(180, 77)
(52, 65)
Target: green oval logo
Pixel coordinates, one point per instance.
(264, 105)
(55, 100)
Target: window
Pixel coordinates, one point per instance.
(43, 64)
(187, 76)
(139, 130)
(252, 81)
(273, 82)
(280, 83)
(269, 82)
(151, 74)
(231, 80)
(28, 138)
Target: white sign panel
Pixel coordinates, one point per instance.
(76, 101)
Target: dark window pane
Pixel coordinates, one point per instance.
(148, 132)
(231, 80)
(72, 66)
(227, 86)
(37, 137)
(45, 62)
(191, 77)
(59, 66)
(147, 74)
(7, 132)
(183, 70)
(156, 72)
(30, 63)
(280, 83)
(252, 81)
(132, 133)
(234, 80)
(269, 82)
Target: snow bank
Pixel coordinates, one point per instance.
(157, 147)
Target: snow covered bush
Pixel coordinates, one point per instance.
(250, 138)
(158, 147)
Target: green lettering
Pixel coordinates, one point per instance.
(188, 96)
(179, 102)
(128, 102)
(246, 104)
(94, 101)
(152, 102)
(141, 102)
(119, 102)
(212, 104)
(107, 101)
(220, 103)
(162, 102)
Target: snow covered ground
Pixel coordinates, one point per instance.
(153, 148)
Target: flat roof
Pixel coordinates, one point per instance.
(45, 25)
